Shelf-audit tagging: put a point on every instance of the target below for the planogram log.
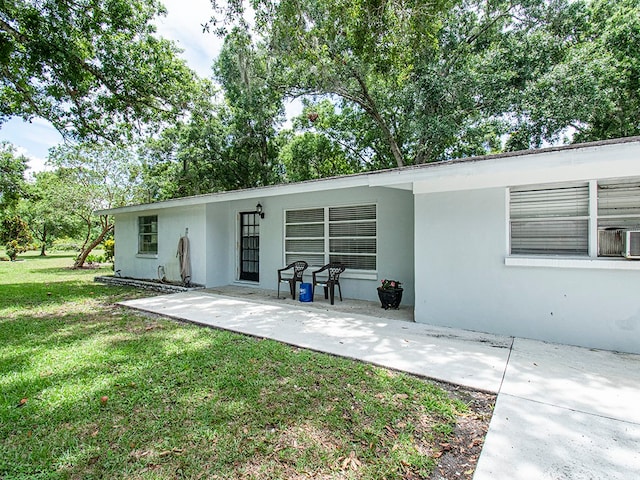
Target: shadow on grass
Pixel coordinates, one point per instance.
(216, 401)
(56, 293)
(67, 270)
(34, 257)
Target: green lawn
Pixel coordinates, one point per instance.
(189, 402)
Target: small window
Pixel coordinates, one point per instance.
(619, 204)
(148, 235)
(550, 220)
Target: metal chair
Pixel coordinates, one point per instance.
(298, 269)
(333, 271)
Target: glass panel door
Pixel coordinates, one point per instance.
(250, 246)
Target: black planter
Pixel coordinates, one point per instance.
(390, 297)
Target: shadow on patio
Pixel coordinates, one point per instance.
(360, 307)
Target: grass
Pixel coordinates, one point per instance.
(92, 390)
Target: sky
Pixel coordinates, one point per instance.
(182, 24)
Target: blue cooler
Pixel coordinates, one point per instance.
(306, 292)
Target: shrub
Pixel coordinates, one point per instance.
(109, 249)
(91, 259)
(66, 244)
(13, 248)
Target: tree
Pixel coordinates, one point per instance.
(451, 79)
(312, 155)
(563, 71)
(189, 158)
(255, 108)
(593, 86)
(93, 68)
(221, 145)
(363, 52)
(94, 177)
(41, 210)
(12, 168)
(14, 233)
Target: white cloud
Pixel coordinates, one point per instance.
(184, 25)
(32, 139)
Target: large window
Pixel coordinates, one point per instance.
(346, 235)
(148, 235)
(587, 218)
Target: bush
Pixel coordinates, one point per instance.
(109, 249)
(66, 244)
(13, 248)
(91, 259)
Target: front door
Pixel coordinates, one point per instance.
(250, 246)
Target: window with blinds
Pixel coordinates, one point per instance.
(619, 204)
(304, 236)
(346, 235)
(550, 220)
(353, 236)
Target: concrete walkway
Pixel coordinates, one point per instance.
(562, 412)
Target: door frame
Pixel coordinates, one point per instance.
(252, 251)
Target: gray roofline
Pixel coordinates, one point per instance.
(354, 180)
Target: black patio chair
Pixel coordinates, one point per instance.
(298, 270)
(333, 279)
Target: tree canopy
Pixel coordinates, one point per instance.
(47, 217)
(93, 68)
(382, 84)
(448, 79)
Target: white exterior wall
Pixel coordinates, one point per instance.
(395, 237)
(462, 280)
(172, 224)
(220, 244)
(214, 235)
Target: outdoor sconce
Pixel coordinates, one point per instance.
(259, 210)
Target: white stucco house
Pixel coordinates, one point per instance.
(539, 244)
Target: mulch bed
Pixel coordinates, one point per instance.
(459, 455)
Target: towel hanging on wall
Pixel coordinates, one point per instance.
(184, 258)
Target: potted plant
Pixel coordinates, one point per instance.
(390, 294)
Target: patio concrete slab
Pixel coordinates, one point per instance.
(597, 382)
(465, 358)
(562, 412)
(529, 440)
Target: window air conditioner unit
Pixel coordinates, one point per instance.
(632, 244)
(611, 242)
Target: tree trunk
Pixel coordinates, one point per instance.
(371, 108)
(44, 242)
(393, 144)
(82, 257)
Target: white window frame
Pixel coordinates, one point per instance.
(596, 221)
(543, 211)
(141, 234)
(326, 253)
